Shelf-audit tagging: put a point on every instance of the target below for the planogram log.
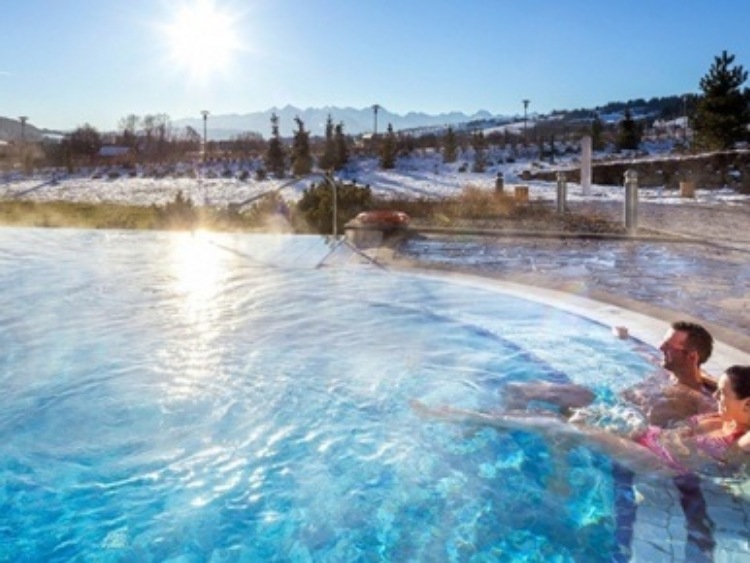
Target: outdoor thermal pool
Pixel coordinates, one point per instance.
(208, 397)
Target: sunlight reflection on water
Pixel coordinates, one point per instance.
(265, 408)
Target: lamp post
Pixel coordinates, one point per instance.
(204, 113)
(685, 113)
(375, 109)
(525, 108)
(23, 119)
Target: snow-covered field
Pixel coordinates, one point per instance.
(424, 176)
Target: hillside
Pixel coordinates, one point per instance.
(11, 130)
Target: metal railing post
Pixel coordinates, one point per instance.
(562, 192)
(631, 201)
(332, 183)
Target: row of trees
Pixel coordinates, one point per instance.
(720, 116)
(152, 140)
(332, 155)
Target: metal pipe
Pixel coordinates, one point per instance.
(631, 201)
(205, 114)
(562, 192)
(332, 183)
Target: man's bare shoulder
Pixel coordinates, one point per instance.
(665, 401)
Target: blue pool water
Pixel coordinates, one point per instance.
(191, 397)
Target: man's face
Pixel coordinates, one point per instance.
(677, 357)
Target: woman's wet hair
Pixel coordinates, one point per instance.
(739, 380)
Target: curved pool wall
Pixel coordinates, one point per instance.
(246, 397)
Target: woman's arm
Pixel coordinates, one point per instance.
(742, 447)
(560, 434)
(738, 454)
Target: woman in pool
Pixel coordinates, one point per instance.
(720, 438)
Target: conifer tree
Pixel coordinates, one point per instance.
(450, 146)
(597, 130)
(479, 145)
(551, 149)
(722, 114)
(328, 158)
(629, 135)
(275, 156)
(388, 150)
(301, 158)
(341, 149)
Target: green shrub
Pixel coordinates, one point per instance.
(177, 214)
(316, 205)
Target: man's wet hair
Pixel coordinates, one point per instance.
(699, 339)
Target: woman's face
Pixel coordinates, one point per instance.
(730, 406)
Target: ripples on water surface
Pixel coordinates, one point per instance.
(217, 397)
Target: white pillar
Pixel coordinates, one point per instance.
(586, 165)
(631, 201)
(562, 191)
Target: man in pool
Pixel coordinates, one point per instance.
(713, 440)
(663, 398)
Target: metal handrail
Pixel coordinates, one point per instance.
(326, 176)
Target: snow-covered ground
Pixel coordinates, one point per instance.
(424, 176)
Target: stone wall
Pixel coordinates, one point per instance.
(708, 171)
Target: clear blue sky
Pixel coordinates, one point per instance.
(64, 63)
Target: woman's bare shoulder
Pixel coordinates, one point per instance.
(743, 443)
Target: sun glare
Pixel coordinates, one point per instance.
(202, 39)
(197, 267)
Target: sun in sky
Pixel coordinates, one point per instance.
(202, 38)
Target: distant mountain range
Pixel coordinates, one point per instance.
(227, 126)
(355, 121)
(362, 121)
